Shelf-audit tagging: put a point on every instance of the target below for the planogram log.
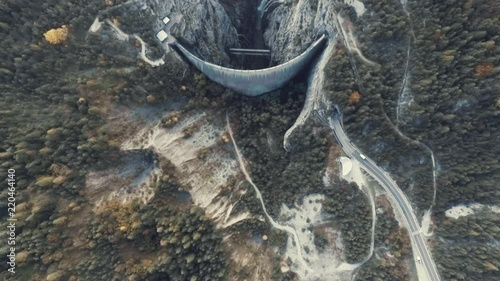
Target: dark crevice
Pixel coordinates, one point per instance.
(244, 17)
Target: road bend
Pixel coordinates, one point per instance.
(418, 243)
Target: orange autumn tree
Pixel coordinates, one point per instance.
(57, 35)
(484, 69)
(354, 98)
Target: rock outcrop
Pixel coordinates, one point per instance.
(210, 37)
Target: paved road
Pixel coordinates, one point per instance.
(417, 238)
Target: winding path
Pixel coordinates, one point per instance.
(403, 204)
(276, 225)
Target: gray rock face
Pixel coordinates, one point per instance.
(208, 28)
(293, 25)
(209, 37)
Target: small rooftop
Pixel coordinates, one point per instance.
(161, 35)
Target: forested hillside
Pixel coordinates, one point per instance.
(433, 82)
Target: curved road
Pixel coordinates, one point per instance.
(418, 241)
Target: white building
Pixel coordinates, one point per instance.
(161, 35)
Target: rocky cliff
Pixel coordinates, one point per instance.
(210, 37)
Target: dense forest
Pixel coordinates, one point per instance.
(69, 82)
(392, 248)
(351, 210)
(432, 83)
(56, 92)
(262, 122)
(286, 177)
(59, 84)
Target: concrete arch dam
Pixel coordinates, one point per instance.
(254, 82)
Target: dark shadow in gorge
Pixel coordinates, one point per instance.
(244, 17)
